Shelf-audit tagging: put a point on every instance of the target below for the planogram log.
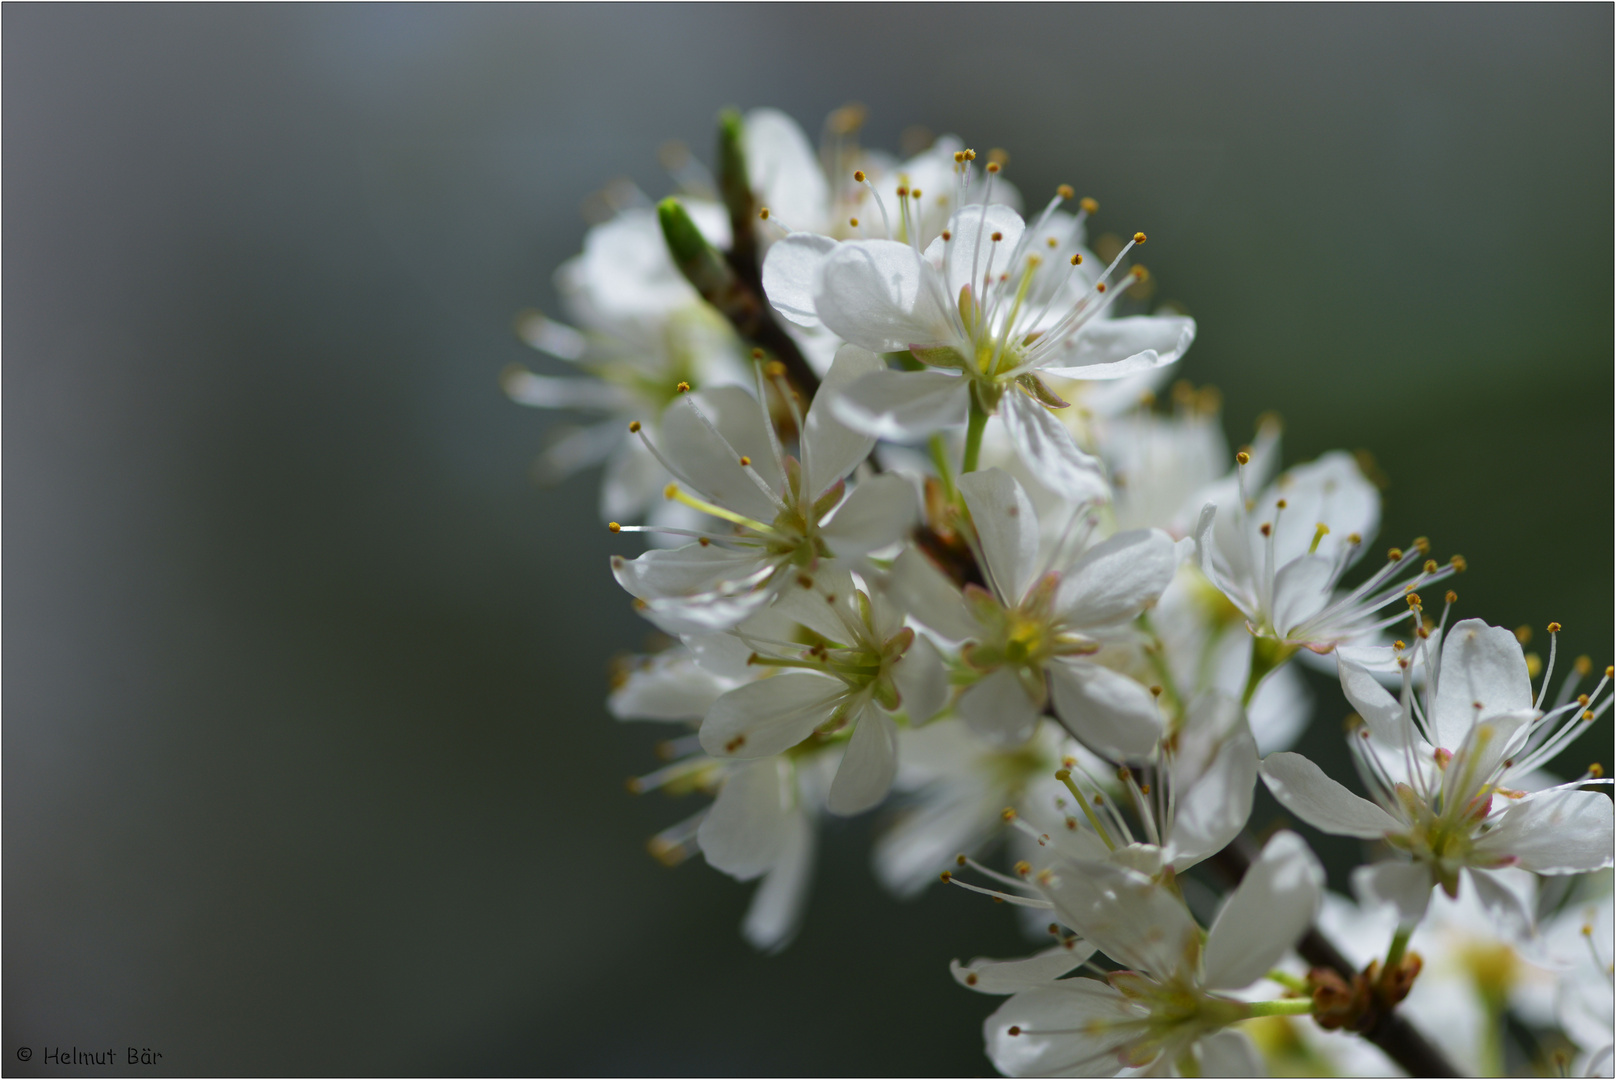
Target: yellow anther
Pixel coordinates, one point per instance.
(1609, 671)
(1398, 646)
(959, 156)
(775, 370)
(853, 221)
(1394, 554)
(1413, 599)
(1065, 191)
(633, 427)
(1588, 715)
(1051, 243)
(1523, 634)
(1430, 566)
(1008, 814)
(745, 461)
(614, 526)
(858, 176)
(1139, 238)
(915, 194)
(1023, 867)
(1595, 770)
(946, 876)
(1100, 287)
(1243, 458)
(1281, 504)
(947, 236)
(1423, 545)
(994, 166)
(1583, 699)
(960, 860)
(970, 155)
(671, 491)
(1077, 260)
(1139, 273)
(1458, 563)
(1583, 665)
(1450, 597)
(903, 191)
(996, 237)
(1554, 628)
(970, 979)
(1534, 665)
(1088, 205)
(1354, 539)
(683, 387)
(764, 213)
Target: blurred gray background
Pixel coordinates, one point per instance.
(305, 762)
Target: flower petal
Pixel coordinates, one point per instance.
(769, 716)
(879, 294)
(1007, 526)
(1301, 591)
(1560, 831)
(934, 601)
(1114, 348)
(921, 677)
(1133, 920)
(832, 448)
(783, 170)
(708, 452)
(791, 273)
(998, 710)
(1382, 712)
(1481, 665)
(1091, 1025)
(1116, 580)
(671, 686)
(746, 827)
(1406, 886)
(867, 769)
(1229, 1053)
(987, 976)
(1267, 914)
(972, 248)
(776, 910)
(1049, 452)
(903, 406)
(685, 571)
(1214, 774)
(1321, 802)
(1105, 709)
(880, 511)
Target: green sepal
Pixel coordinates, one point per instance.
(938, 356)
(734, 182)
(1041, 393)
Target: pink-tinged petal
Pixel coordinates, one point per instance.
(776, 910)
(880, 512)
(1481, 666)
(1105, 709)
(998, 710)
(1049, 452)
(747, 825)
(878, 294)
(1380, 710)
(1129, 917)
(1115, 348)
(903, 406)
(934, 601)
(783, 169)
(1007, 526)
(1406, 886)
(868, 766)
(987, 976)
(1091, 1026)
(833, 449)
(1560, 831)
(1117, 579)
(769, 716)
(791, 274)
(1268, 913)
(1305, 791)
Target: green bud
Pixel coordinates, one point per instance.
(734, 184)
(698, 260)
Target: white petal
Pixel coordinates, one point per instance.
(1114, 348)
(1131, 919)
(1502, 903)
(1480, 663)
(880, 295)
(903, 406)
(791, 272)
(1007, 526)
(684, 571)
(834, 449)
(1048, 451)
(880, 511)
(1559, 831)
(1267, 914)
(744, 831)
(769, 716)
(1406, 886)
(549, 392)
(997, 709)
(867, 769)
(929, 596)
(1105, 709)
(1301, 590)
(813, 607)
(1330, 490)
(1280, 710)
(709, 456)
(1229, 1053)
(1321, 802)
(670, 687)
(1116, 580)
(1014, 976)
(783, 169)
(921, 677)
(1214, 778)
(1380, 710)
(972, 248)
(1093, 1021)
(776, 909)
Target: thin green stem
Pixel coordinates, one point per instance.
(1288, 981)
(975, 424)
(1266, 656)
(1394, 955)
(945, 472)
(1283, 1007)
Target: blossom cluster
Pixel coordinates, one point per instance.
(924, 526)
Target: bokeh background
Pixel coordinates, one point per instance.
(305, 763)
